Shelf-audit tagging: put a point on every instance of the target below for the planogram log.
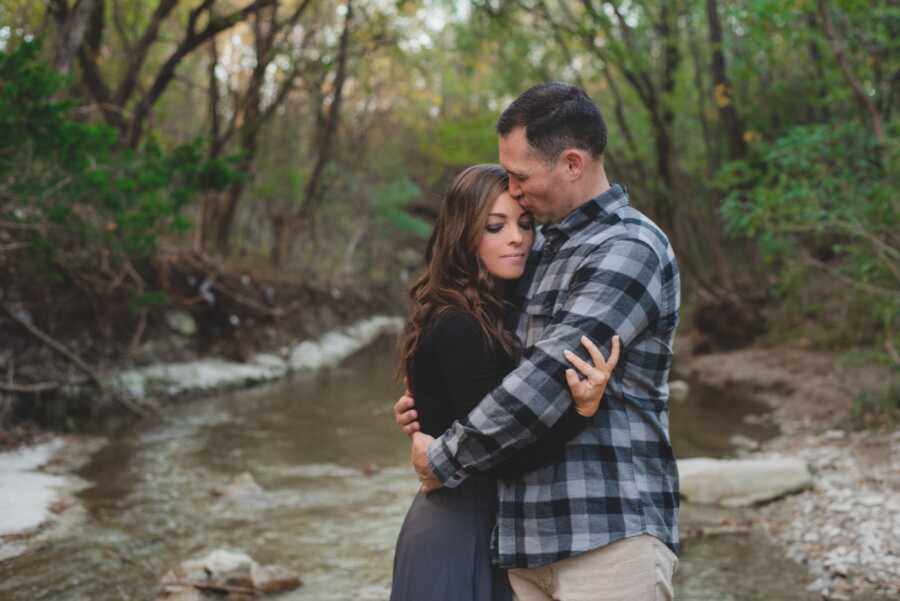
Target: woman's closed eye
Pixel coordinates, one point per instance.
(495, 228)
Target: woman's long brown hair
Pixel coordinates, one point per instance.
(454, 275)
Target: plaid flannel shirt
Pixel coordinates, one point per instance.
(605, 269)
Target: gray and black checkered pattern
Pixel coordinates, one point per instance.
(605, 269)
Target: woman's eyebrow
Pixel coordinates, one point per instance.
(497, 215)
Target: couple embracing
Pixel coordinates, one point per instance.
(546, 466)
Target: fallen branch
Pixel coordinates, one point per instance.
(53, 344)
(249, 303)
(862, 286)
(138, 332)
(14, 246)
(29, 388)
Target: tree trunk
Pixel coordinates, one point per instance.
(734, 133)
(73, 25)
(326, 136)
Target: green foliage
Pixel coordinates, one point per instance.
(391, 199)
(70, 174)
(872, 407)
(826, 197)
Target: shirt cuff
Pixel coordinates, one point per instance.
(445, 466)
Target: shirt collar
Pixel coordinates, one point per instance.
(594, 210)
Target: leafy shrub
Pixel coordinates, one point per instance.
(73, 177)
(827, 197)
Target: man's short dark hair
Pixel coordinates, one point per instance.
(556, 116)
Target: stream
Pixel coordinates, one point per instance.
(325, 449)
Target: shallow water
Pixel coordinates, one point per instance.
(326, 451)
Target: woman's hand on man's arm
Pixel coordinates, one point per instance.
(587, 393)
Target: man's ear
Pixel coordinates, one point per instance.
(575, 162)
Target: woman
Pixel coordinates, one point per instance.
(454, 351)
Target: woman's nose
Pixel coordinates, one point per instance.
(515, 236)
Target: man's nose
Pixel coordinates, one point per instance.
(515, 190)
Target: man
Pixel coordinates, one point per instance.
(600, 524)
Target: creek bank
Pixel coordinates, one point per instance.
(62, 344)
(38, 488)
(845, 528)
(37, 483)
(209, 375)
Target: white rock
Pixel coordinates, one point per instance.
(26, 494)
(743, 442)
(243, 485)
(275, 364)
(871, 500)
(741, 482)
(678, 390)
(213, 374)
(228, 568)
(181, 322)
(221, 566)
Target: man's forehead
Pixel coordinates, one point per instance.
(515, 155)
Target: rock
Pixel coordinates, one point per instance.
(872, 500)
(219, 568)
(180, 593)
(679, 390)
(181, 322)
(274, 579)
(743, 442)
(28, 494)
(214, 374)
(741, 482)
(226, 569)
(242, 488)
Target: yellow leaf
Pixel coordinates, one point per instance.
(722, 95)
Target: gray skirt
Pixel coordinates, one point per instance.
(444, 548)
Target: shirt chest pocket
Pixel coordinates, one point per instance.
(538, 314)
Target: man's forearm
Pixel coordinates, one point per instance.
(512, 416)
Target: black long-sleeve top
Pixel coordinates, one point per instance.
(453, 369)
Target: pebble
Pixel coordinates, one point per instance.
(846, 530)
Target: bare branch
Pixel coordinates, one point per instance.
(53, 344)
(139, 54)
(837, 46)
(192, 40)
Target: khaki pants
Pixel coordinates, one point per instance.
(632, 569)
